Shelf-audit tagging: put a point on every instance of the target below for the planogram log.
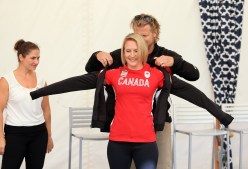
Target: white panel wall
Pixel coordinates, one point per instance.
(68, 31)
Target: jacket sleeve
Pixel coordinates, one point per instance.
(183, 68)
(160, 113)
(192, 94)
(83, 82)
(94, 65)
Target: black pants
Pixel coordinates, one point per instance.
(120, 155)
(25, 142)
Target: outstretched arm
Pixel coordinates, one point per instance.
(178, 65)
(190, 93)
(83, 82)
(185, 69)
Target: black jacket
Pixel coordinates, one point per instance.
(180, 66)
(179, 87)
(103, 110)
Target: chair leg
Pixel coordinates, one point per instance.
(213, 152)
(174, 151)
(221, 151)
(190, 152)
(80, 153)
(241, 151)
(228, 150)
(69, 161)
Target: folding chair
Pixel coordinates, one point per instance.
(81, 118)
(190, 116)
(240, 114)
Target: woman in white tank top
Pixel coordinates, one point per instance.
(27, 127)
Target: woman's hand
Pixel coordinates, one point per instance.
(2, 145)
(50, 144)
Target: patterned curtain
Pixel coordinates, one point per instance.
(222, 28)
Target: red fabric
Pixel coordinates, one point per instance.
(133, 121)
(168, 70)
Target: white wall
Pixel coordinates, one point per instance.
(68, 31)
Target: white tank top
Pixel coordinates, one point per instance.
(21, 110)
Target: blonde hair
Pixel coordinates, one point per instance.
(141, 44)
(145, 19)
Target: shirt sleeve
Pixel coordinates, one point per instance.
(108, 77)
(160, 79)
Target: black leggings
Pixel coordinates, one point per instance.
(25, 142)
(120, 155)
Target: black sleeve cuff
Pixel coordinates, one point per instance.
(34, 94)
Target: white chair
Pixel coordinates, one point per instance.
(240, 114)
(186, 118)
(81, 118)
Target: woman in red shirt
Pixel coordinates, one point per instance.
(132, 134)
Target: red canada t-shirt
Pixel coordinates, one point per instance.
(134, 90)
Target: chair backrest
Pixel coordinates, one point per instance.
(238, 111)
(191, 114)
(80, 117)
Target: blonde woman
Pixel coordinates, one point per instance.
(132, 133)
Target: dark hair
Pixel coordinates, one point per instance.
(24, 48)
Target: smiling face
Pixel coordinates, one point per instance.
(131, 55)
(134, 51)
(31, 60)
